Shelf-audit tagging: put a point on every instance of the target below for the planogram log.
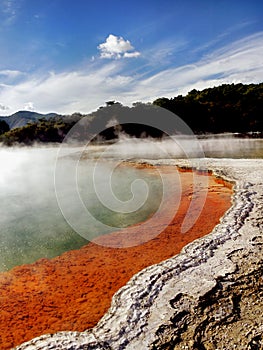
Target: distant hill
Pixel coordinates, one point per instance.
(231, 108)
(22, 118)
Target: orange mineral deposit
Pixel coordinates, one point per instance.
(73, 291)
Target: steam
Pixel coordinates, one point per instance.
(38, 215)
(182, 146)
(31, 224)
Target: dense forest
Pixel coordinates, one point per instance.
(4, 127)
(226, 108)
(44, 130)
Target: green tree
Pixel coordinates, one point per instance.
(4, 127)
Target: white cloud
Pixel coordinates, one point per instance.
(29, 106)
(67, 92)
(131, 54)
(116, 47)
(10, 74)
(86, 90)
(3, 107)
(240, 61)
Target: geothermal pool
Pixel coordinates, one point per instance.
(32, 223)
(74, 290)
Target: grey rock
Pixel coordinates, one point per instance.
(210, 296)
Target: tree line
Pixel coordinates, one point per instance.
(226, 108)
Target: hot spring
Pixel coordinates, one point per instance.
(32, 224)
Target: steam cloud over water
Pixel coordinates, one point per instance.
(31, 223)
(215, 146)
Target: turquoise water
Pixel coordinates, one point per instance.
(31, 223)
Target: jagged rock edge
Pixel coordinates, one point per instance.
(131, 305)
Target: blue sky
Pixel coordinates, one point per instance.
(71, 56)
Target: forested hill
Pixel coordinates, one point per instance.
(226, 108)
(22, 118)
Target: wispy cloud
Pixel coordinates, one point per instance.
(29, 106)
(10, 74)
(85, 90)
(9, 10)
(66, 92)
(4, 108)
(165, 52)
(240, 61)
(116, 47)
(225, 34)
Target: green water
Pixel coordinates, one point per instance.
(31, 222)
(32, 225)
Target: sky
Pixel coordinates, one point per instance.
(70, 56)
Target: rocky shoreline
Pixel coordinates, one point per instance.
(210, 296)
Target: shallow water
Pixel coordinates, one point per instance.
(211, 146)
(231, 146)
(31, 222)
(32, 225)
(74, 290)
